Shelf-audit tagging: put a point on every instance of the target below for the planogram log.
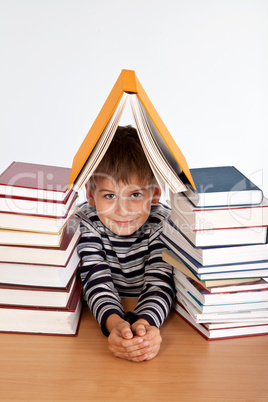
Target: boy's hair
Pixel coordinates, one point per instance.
(123, 159)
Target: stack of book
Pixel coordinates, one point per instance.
(38, 234)
(39, 289)
(217, 241)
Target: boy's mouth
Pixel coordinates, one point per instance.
(125, 223)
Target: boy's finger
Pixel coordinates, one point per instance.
(120, 341)
(135, 343)
(125, 330)
(140, 329)
(136, 348)
(127, 333)
(134, 355)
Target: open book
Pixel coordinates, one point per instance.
(164, 156)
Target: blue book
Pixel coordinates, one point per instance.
(222, 186)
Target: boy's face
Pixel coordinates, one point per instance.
(123, 208)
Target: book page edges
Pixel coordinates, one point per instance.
(170, 142)
(126, 82)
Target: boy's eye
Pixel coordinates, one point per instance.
(136, 195)
(110, 196)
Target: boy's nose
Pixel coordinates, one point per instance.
(122, 208)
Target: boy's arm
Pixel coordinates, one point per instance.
(158, 292)
(156, 298)
(98, 288)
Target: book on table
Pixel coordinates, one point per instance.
(164, 156)
(214, 331)
(43, 320)
(222, 185)
(39, 289)
(228, 315)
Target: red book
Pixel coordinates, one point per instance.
(40, 275)
(37, 207)
(43, 320)
(36, 223)
(44, 255)
(38, 296)
(35, 181)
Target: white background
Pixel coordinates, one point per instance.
(203, 64)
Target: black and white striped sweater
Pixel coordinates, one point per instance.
(114, 266)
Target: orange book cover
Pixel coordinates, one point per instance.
(126, 82)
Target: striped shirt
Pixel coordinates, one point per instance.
(114, 266)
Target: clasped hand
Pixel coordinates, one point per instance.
(137, 342)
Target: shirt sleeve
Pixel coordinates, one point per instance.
(98, 288)
(158, 292)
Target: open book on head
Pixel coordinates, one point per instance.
(164, 156)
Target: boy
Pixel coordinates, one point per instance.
(121, 255)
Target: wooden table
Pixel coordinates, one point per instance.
(188, 368)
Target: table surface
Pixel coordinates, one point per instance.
(188, 367)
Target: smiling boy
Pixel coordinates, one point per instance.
(121, 255)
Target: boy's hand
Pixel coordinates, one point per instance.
(149, 333)
(123, 343)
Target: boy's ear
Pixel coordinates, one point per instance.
(89, 195)
(156, 195)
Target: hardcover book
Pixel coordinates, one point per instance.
(205, 297)
(44, 255)
(219, 217)
(209, 236)
(30, 274)
(30, 206)
(37, 296)
(217, 255)
(35, 223)
(164, 156)
(223, 185)
(212, 275)
(43, 320)
(223, 330)
(229, 315)
(36, 181)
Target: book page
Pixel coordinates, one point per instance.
(155, 149)
(102, 145)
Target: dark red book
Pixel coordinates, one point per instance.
(43, 320)
(38, 296)
(37, 207)
(35, 181)
(44, 255)
(36, 223)
(56, 276)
